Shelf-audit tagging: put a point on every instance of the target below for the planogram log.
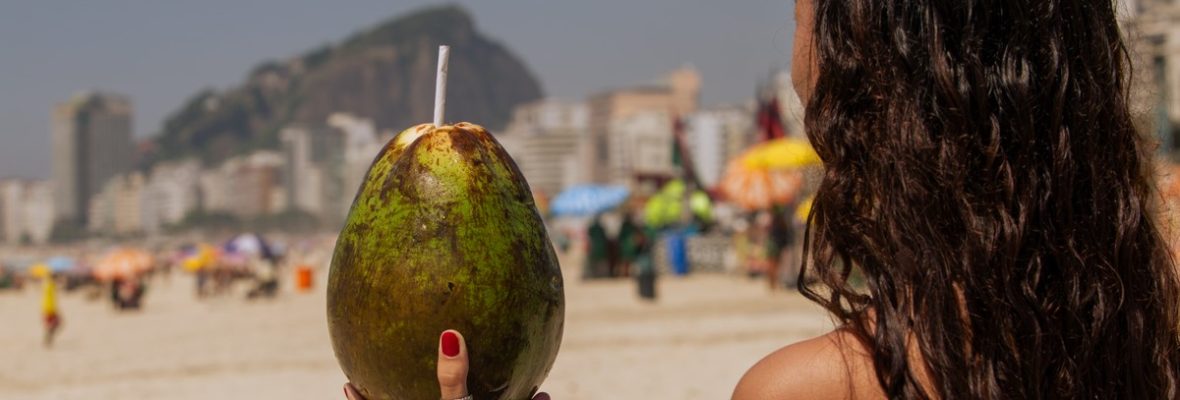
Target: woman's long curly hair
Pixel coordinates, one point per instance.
(983, 172)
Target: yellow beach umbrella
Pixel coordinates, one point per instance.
(783, 153)
(202, 258)
(768, 174)
(192, 264)
(39, 271)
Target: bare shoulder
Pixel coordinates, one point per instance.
(832, 366)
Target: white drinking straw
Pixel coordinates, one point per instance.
(440, 85)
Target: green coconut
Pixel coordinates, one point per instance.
(444, 234)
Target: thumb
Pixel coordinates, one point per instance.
(452, 365)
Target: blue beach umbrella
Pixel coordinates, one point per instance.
(61, 264)
(588, 200)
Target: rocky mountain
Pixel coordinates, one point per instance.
(385, 73)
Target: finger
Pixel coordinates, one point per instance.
(351, 393)
(452, 365)
(541, 396)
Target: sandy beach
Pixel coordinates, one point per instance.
(694, 343)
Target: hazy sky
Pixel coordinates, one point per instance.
(161, 52)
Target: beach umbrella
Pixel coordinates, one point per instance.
(249, 244)
(757, 188)
(782, 153)
(768, 174)
(122, 263)
(587, 200)
(61, 263)
(199, 257)
(39, 271)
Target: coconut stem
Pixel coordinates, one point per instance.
(440, 85)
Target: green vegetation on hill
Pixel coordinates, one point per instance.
(385, 73)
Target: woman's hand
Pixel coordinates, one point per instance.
(452, 369)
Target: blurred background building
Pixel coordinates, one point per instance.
(26, 211)
(91, 144)
(246, 186)
(1153, 31)
(627, 116)
(640, 147)
(172, 192)
(323, 165)
(716, 136)
(118, 208)
(302, 176)
(544, 138)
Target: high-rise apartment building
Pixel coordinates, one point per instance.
(91, 144)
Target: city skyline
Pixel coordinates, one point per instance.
(214, 44)
(306, 181)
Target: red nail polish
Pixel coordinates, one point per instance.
(450, 344)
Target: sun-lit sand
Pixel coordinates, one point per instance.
(694, 343)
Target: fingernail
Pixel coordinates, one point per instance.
(450, 344)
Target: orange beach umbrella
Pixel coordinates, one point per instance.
(122, 263)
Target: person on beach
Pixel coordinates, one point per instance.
(128, 292)
(49, 313)
(984, 174)
(265, 277)
(597, 250)
(752, 243)
(645, 265)
(628, 242)
(779, 237)
(202, 281)
(115, 298)
(8, 279)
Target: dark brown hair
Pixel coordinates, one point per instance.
(983, 173)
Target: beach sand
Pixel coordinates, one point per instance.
(694, 343)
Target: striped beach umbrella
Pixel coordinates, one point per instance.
(122, 263)
(760, 188)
